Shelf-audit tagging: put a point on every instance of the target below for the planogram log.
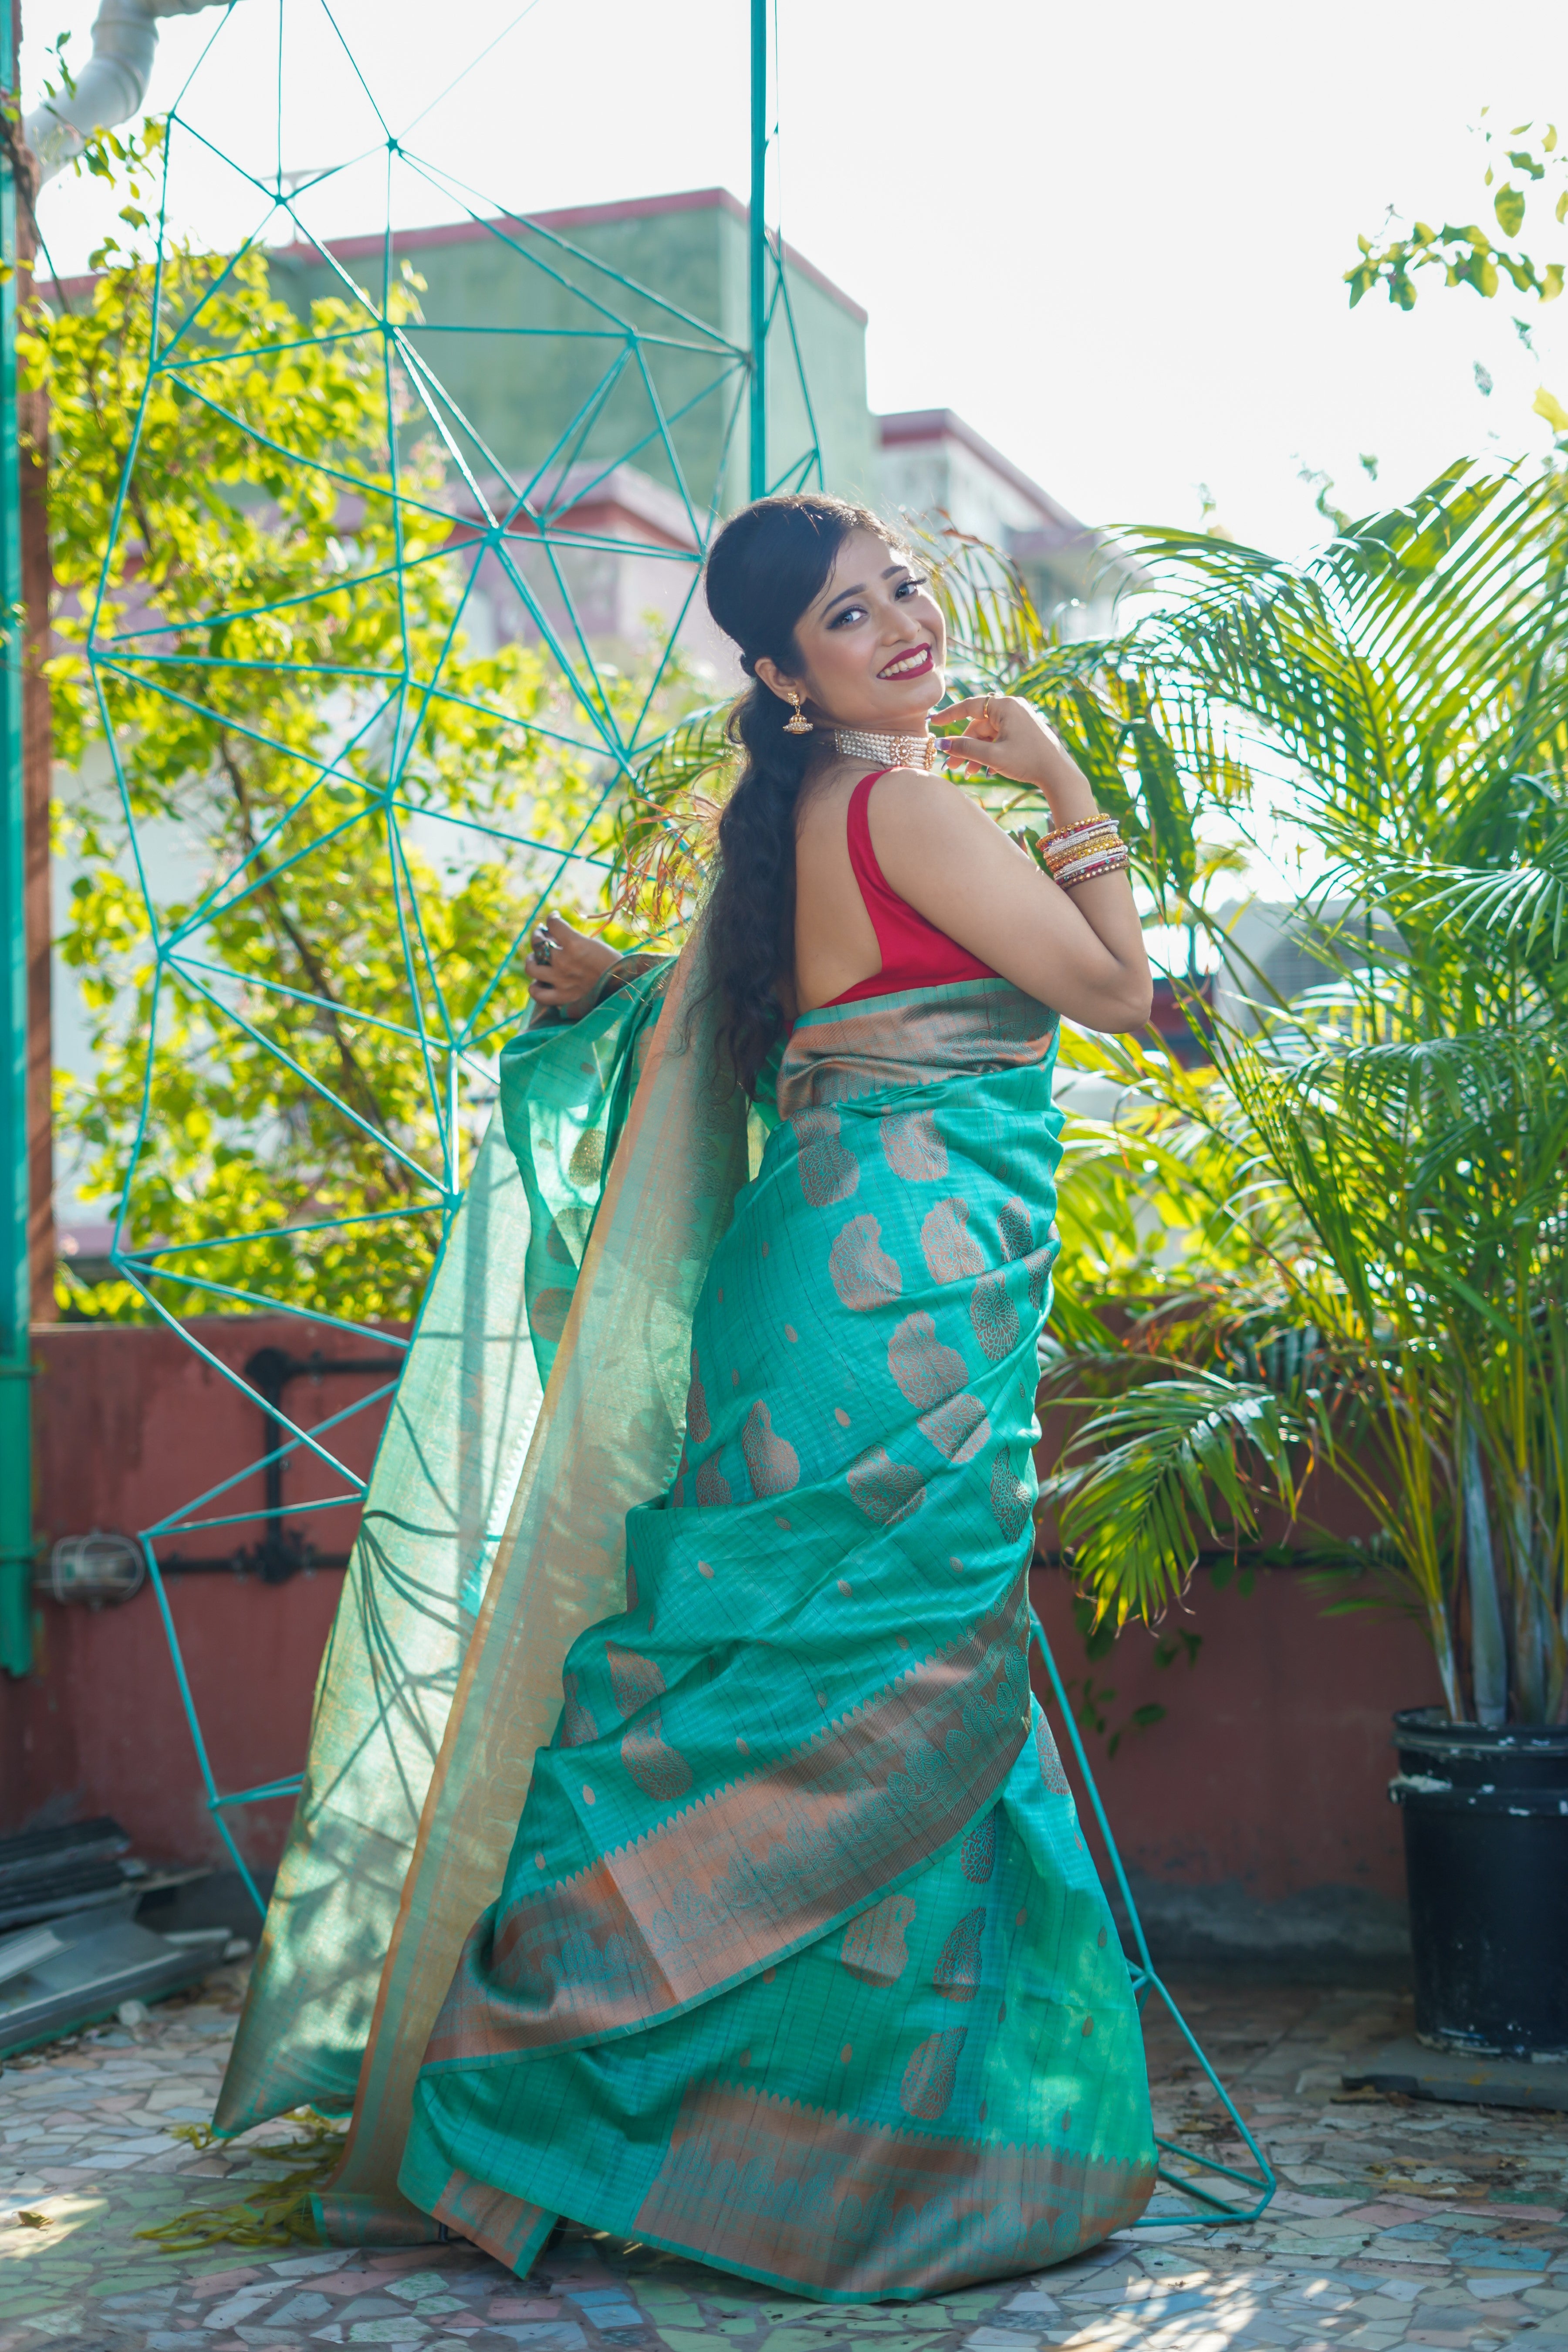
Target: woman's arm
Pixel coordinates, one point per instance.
(1081, 951)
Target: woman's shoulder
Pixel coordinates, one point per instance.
(920, 806)
(925, 827)
(917, 798)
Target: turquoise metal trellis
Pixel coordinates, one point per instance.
(757, 257)
(1257, 2187)
(519, 519)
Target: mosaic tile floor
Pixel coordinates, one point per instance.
(1397, 2223)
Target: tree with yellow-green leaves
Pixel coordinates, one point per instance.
(260, 654)
(1527, 174)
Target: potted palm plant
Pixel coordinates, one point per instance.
(1373, 1179)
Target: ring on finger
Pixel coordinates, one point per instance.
(544, 946)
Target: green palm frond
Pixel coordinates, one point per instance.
(1176, 1463)
(662, 843)
(1429, 1169)
(1394, 680)
(995, 632)
(1384, 1160)
(1525, 903)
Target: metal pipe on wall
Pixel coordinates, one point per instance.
(110, 88)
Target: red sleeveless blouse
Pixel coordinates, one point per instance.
(915, 954)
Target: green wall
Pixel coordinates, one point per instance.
(521, 331)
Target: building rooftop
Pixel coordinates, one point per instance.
(560, 224)
(908, 425)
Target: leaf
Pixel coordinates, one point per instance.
(1508, 205)
(1182, 1455)
(1386, 1157)
(1166, 811)
(1546, 403)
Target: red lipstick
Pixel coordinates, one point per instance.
(916, 668)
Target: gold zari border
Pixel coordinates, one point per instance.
(753, 1870)
(766, 2185)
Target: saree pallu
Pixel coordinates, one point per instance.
(543, 1395)
(798, 1964)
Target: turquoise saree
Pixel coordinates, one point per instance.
(800, 1965)
(791, 1957)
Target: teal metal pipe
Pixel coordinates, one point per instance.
(758, 240)
(15, 1370)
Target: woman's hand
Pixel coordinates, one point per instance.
(570, 970)
(1008, 736)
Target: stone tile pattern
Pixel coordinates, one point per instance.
(1397, 2223)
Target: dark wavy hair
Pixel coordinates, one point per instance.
(766, 567)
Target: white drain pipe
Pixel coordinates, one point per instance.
(110, 88)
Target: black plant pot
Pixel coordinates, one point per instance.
(1486, 1853)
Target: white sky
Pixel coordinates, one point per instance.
(1112, 239)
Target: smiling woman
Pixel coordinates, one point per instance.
(798, 1963)
(837, 625)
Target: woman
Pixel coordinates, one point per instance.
(800, 1966)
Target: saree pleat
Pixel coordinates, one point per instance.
(798, 1963)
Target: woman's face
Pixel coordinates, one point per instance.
(872, 644)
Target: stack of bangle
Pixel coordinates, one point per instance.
(1081, 852)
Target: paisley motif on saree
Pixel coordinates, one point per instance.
(798, 1962)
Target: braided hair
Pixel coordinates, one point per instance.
(767, 566)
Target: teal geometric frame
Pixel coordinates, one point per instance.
(530, 515)
(1147, 1983)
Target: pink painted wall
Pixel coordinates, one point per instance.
(1271, 1768)
(1269, 1771)
(132, 1424)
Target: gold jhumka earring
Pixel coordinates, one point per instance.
(798, 724)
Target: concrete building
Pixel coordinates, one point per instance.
(942, 475)
(618, 557)
(624, 450)
(592, 383)
(525, 327)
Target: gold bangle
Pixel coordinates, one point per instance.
(1063, 849)
(1115, 861)
(1059, 837)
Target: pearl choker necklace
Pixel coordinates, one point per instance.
(889, 751)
